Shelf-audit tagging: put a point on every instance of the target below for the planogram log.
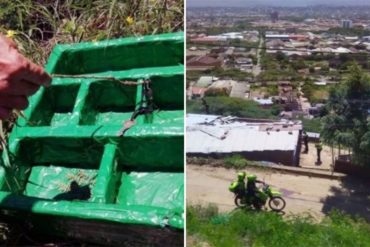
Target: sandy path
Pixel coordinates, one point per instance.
(309, 160)
(303, 194)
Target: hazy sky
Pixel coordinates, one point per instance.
(191, 3)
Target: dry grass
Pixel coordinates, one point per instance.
(38, 25)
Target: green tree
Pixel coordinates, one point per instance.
(299, 64)
(308, 88)
(227, 106)
(312, 70)
(217, 92)
(347, 123)
(276, 110)
(280, 56)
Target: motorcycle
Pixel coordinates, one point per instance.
(266, 195)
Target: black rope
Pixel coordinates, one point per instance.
(147, 106)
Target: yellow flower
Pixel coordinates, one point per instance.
(129, 20)
(10, 33)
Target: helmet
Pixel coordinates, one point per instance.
(233, 186)
(241, 176)
(251, 178)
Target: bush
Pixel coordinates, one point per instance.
(250, 228)
(194, 160)
(276, 110)
(235, 161)
(227, 106)
(299, 64)
(212, 92)
(312, 125)
(203, 213)
(308, 88)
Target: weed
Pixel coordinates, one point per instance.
(248, 228)
(38, 25)
(235, 161)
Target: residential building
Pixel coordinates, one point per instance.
(196, 92)
(260, 140)
(346, 23)
(240, 90)
(203, 63)
(205, 81)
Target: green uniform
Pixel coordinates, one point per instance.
(319, 149)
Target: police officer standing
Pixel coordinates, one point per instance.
(318, 149)
(305, 141)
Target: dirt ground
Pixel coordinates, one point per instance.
(303, 194)
(305, 104)
(308, 160)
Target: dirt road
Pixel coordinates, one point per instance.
(308, 160)
(257, 68)
(303, 194)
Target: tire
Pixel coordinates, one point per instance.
(257, 205)
(238, 201)
(277, 203)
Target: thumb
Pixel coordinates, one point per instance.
(8, 41)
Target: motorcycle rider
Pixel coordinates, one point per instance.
(247, 195)
(239, 185)
(248, 190)
(252, 189)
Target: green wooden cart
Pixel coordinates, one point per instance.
(71, 170)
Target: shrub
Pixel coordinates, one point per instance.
(250, 228)
(235, 161)
(227, 106)
(217, 92)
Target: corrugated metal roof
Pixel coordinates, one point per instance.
(217, 134)
(193, 119)
(260, 101)
(204, 81)
(313, 135)
(239, 90)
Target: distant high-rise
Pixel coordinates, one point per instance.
(346, 24)
(274, 16)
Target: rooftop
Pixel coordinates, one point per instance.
(218, 134)
(206, 60)
(262, 101)
(205, 81)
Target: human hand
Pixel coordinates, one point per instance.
(19, 78)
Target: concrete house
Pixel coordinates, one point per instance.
(259, 140)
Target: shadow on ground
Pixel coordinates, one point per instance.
(353, 198)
